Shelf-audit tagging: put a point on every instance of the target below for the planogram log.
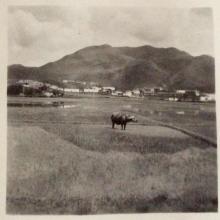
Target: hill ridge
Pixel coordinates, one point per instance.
(126, 68)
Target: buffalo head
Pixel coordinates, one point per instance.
(132, 118)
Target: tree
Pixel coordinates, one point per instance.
(14, 89)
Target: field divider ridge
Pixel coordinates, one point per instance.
(185, 131)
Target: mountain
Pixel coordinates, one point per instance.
(126, 68)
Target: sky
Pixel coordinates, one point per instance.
(41, 34)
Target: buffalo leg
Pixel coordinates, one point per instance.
(121, 126)
(113, 125)
(124, 126)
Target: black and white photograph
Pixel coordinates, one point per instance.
(111, 110)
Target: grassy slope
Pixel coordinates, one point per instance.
(49, 175)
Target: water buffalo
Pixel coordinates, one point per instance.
(122, 119)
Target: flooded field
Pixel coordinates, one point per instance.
(64, 157)
(196, 117)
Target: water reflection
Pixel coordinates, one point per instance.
(169, 112)
(61, 104)
(180, 113)
(67, 106)
(41, 104)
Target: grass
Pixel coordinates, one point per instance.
(55, 176)
(58, 167)
(104, 139)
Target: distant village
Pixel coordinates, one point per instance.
(72, 88)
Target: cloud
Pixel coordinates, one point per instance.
(41, 34)
(40, 39)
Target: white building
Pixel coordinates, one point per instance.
(94, 89)
(136, 92)
(60, 89)
(53, 87)
(127, 93)
(25, 81)
(80, 82)
(31, 83)
(207, 97)
(48, 94)
(117, 93)
(106, 88)
(150, 91)
(180, 91)
(89, 90)
(173, 99)
(196, 92)
(71, 90)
